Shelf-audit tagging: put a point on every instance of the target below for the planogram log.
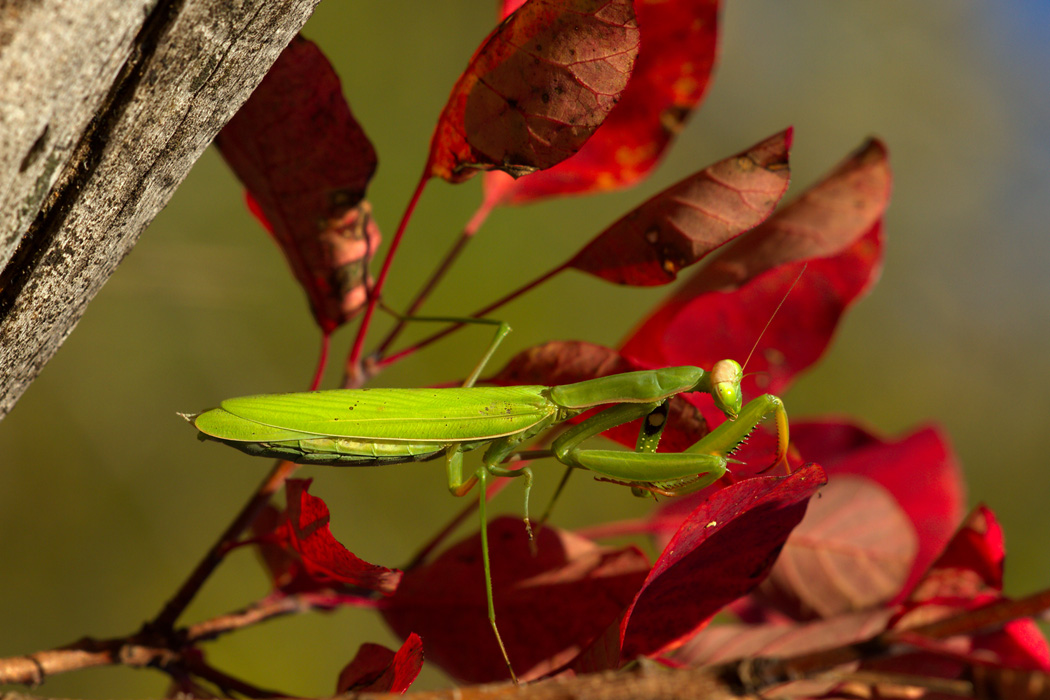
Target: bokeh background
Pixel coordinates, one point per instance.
(107, 501)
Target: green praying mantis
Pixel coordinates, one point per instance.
(376, 427)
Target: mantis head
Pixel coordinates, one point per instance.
(726, 376)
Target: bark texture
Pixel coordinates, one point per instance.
(104, 106)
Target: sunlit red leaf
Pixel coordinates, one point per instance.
(536, 89)
(547, 606)
(678, 47)
(722, 551)
(306, 532)
(376, 669)
(306, 164)
(685, 222)
(836, 225)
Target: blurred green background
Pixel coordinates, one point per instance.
(107, 501)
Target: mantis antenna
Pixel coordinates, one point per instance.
(773, 315)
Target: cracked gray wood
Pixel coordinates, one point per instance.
(104, 107)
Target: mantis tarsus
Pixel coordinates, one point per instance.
(374, 427)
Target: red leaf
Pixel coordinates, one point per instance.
(547, 606)
(919, 469)
(968, 576)
(376, 669)
(306, 164)
(685, 222)
(701, 324)
(853, 551)
(284, 566)
(562, 362)
(825, 220)
(536, 89)
(722, 550)
(730, 642)
(305, 531)
(972, 564)
(678, 46)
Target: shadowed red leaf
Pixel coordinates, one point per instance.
(920, 470)
(722, 550)
(536, 89)
(547, 606)
(678, 46)
(685, 222)
(967, 576)
(306, 164)
(854, 550)
(563, 362)
(376, 669)
(970, 566)
(729, 642)
(306, 532)
(835, 225)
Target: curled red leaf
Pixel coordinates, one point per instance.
(690, 219)
(376, 669)
(970, 566)
(536, 89)
(306, 164)
(304, 530)
(679, 41)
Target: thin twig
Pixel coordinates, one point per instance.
(174, 608)
(465, 236)
(386, 361)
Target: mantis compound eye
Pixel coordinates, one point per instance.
(725, 387)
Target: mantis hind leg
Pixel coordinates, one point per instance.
(459, 486)
(483, 476)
